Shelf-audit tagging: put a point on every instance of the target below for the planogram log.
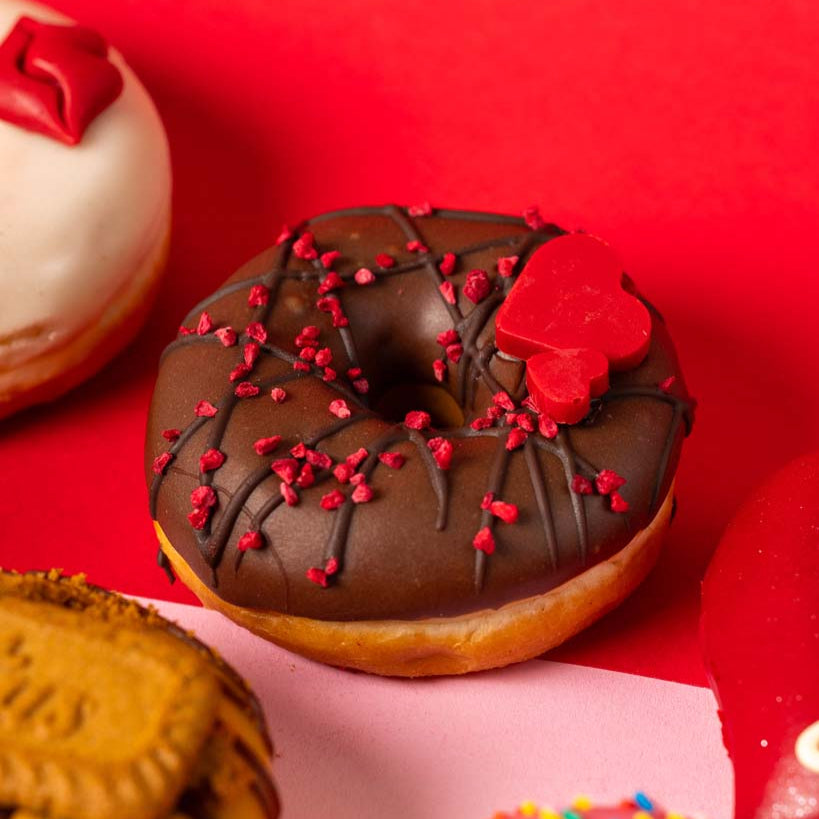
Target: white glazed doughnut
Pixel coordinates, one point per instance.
(83, 234)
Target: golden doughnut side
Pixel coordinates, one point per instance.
(455, 645)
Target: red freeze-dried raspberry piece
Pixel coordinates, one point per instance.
(608, 481)
(323, 357)
(204, 409)
(422, 209)
(447, 264)
(364, 276)
(227, 335)
(250, 540)
(477, 286)
(246, 390)
(160, 462)
(481, 423)
(546, 426)
(618, 502)
(448, 337)
(358, 478)
(303, 247)
(417, 419)
(394, 460)
(506, 265)
(666, 384)
(507, 512)
(291, 497)
(331, 566)
(256, 330)
(238, 372)
(581, 485)
(278, 395)
(284, 235)
(340, 409)
(299, 450)
(317, 576)
(486, 502)
(210, 460)
(198, 518)
(343, 472)
(286, 469)
(301, 366)
(529, 403)
(385, 260)
(441, 450)
(525, 422)
(357, 457)
(310, 331)
(501, 399)
(494, 412)
(361, 386)
(264, 446)
(203, 496)
(439, 369)
(362, 494)
(332, 306)
(416, 246)
(484, 541)
(307, 354)
(250, 353)
(205, 324)
(517, 437)
(321, 460)
(332, 281)
(329, 374)
(328, 259)
(185, 331)
(258, 296)
(306, 477)
(171, 434)
(454, 352)
(447, 291)
(354, 372)
(533, 218)
(332, 500)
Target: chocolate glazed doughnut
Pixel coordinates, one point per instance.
(340, 459)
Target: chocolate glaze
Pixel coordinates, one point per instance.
(408, 553)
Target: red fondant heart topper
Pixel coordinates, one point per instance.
(570, 319)
(55, 80)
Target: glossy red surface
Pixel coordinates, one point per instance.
(683, 132)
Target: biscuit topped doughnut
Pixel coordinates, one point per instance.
(340, 458)
(84, 203)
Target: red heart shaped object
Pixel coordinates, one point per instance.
(570, 297)
(760, 638)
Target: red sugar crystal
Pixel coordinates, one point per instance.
(501, 399)
(361, 386)
(417, 419)
(667, 383)
(355, 459)
(454, 352)
(343, 472)
(441, 450)
(384, 260)
(160, 462)
(546, 426)
(284, 235)
(340, 409)
(394, 460)
(618, 502)
(239, 371)
(301, 366)
(205, 324)
(423, 209)
(246, 390)
(321, 460)
(517, 437)
(264, 446)
(486, 502)
(439, 369)
(278, 394)
(307, 353)
(332, 281)
(448, 337)
(258, 296)
(255, 330)
(481, 423)
(477, 286)
(306, 477)
(608, 481)
(362, 494)
(329, 258)
(317, 576)
(250, 540)
(203, 496)
(204, 409)
(291, 497)
(448, 292)
(581, 485)
(364, 276)
(329, 374)
(210, 460)
(227, 335)
(533, 218)
(447, 264)
(171, 434)
(506, 265)
(332, 500)
(303, 247)
(286, 469)
(416, 246)
(323, 357)
(507, 512)
(299, 450)
(484, 541)
(250, 353)
(198, 518)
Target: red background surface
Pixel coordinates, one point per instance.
(685, 132)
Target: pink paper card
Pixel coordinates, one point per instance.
(352, 746)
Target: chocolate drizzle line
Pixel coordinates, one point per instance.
(472, 368)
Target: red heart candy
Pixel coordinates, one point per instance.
(760, 639)
(563, 382)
